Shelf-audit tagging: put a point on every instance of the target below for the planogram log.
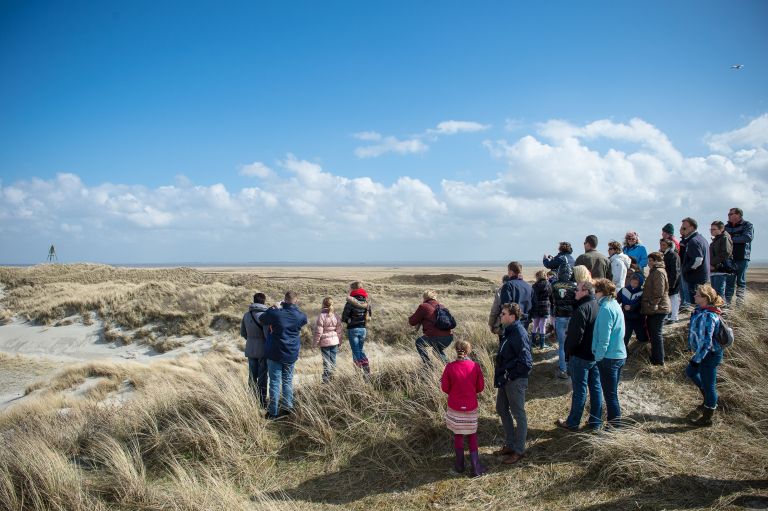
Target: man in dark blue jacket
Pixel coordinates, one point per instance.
(513, 363)
(741, 233)
(694, 264)
(513, 290)
(282, 351)
(564, 252)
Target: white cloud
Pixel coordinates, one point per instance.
(753, 135)
(256, 169)
(414, 144)
(453, 127)
(555, 185)
(391, 145)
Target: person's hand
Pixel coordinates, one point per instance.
(626, 307)
(694, 363)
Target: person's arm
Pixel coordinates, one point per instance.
(339, 327)
(642, 257)
(416, 317)
(602, 334)
(695, 252)
(703, 336)
(445, 381)
(575, 332)
(493, 317)
(345, 313)
(243, 331)
(479, 380)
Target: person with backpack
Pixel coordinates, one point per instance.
(721, 264)
(541, 309)
(356, 313)
(436, 334)
(707, 351)
(255, 335)
(513, 290)
(564, 298)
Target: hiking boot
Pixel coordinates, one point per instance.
(562, 423)
(504, 451)
(562, 375)
(477, 468)
(512, 458)
(705, 419)
(458, 465)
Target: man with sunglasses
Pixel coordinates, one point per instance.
(741, 233)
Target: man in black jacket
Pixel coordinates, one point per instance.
(741, 233)
(694, 263)
(581, 361)
(672, 267)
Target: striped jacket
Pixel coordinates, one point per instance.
(701, 332)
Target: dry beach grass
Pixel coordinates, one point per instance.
(185, 434)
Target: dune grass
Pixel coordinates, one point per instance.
(191, 437)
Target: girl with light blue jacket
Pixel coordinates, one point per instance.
(608, 346)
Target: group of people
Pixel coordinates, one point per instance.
(593, 303)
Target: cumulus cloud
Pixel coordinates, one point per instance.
(256, 169)
(555, 184)
(414, 144)
(753, 135)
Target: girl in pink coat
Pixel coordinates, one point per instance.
(463, 381)
(328, 328)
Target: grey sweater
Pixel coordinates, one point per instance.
(254, 333)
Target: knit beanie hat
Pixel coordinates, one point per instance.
(669, 229)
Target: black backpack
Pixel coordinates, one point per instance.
(443, 318)
(723, 333)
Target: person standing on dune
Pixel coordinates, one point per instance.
(356, 313)
(255, 335)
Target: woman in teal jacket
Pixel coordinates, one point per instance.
(608, 346)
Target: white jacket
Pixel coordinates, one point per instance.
(620, 263)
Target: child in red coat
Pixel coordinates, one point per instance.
(462, 380)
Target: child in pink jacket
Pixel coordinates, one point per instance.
(463, 380)
(327, 336)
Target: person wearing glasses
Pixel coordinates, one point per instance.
(721, 264)
(741, 233)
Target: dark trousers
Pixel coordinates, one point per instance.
(636, 325)
(438, 344)
(655, 324)
(258, 377)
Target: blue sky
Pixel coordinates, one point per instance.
(122, 122)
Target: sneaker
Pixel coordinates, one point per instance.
(562, 375)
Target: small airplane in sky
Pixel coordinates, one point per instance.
(737, 66)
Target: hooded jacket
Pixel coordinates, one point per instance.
(542, 299)
(655, 298)
(578, 337)
(620, 264)
(253, 331)
(514, 359)
(284, 341)
(741, 236)
(554, 263)
(631, 296)
(356, 311)
(564, 292)
(514, 289)
(328, 329)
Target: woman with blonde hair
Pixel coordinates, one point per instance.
(707, 352)
(327, 336)
(581, 274)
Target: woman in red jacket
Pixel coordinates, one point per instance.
(463, 380)
(433, 337)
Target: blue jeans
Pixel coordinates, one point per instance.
(705, 377)
(719, 282)
(280, 375)
(257, 378)
(684, 296)
(356, 342)
(585, 375)
(438, 343)
(329, 361)
(610, 374)
(510, 402)
(737, 282)
(561, 327)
